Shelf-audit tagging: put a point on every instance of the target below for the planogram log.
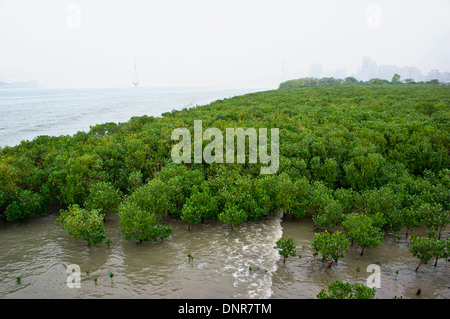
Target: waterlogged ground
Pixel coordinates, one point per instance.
(39, 251)
(305, 277)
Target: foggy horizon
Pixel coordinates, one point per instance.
(78, 44)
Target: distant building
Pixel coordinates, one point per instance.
(434, 74)
(339, 74)
(315, 70)
(442, 77)
(386, 72)
(368, 70)
(410, 72)
(446, 77)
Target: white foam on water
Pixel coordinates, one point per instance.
(253, 247)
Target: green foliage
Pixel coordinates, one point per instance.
(232, 215)
(344, 290)
(104, 197)
(350, 80)
(361, 230)
(347, 198)
(380, 151)
(433, 82)
(200, 205)
(79, 222)
(331, 216)
(363, 170)
(330, 246)
(384, 206)
(140, 224)
(264, 193)
(299, 83)
(286, 247)
(377, 81)
(173, 184)
(156, 196)
(434, 216)
(313, 82)
(291, 195)
(134, 181)
(426, 248)
(411, 218)
(20, 181)
(319, 197)
(328, 81)
(396, 79)
(26, 203)
(242, 191)
(73, 175)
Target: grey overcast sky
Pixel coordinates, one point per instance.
(228, 43)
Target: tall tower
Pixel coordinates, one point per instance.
(135, 77)
(283, 71)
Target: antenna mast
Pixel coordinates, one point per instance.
(135, 77)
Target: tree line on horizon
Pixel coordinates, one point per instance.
(330, 81)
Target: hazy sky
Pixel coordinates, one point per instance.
(242, 43)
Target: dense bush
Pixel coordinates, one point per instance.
(344, 290)
(140, 224)
(79, 222)
(330, 246)
(375, 151)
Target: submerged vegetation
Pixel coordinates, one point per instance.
(345, 290)
(363, 158)
(330, 246)
(285, 247)
(80, 222)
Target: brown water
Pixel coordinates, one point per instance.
(39, 251)
(305, 277)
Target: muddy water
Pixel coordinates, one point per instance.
(305, 277)
(39, 251)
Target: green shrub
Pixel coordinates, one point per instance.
(344, 290)
(79, 222)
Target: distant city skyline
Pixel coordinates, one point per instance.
(216, 43)
(370, 69)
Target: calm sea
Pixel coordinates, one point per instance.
(28, 113)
